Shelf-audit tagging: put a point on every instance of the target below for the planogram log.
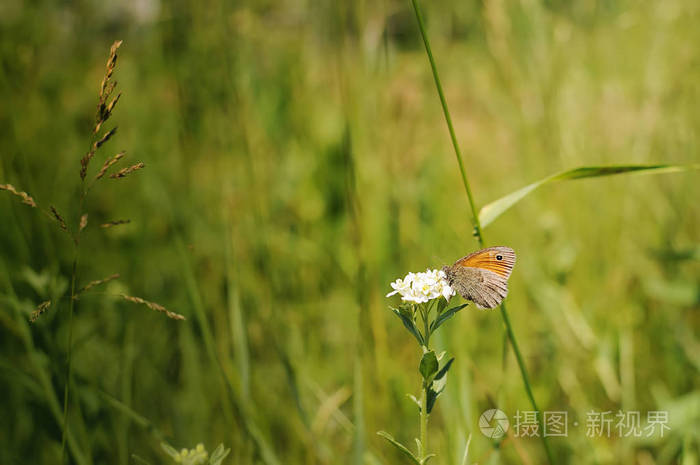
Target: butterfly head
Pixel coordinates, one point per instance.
(449, 274)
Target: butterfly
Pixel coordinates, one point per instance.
(482, 276)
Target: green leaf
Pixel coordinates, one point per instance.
(493, 210)
(414, 399)
(419, 447)
(218, 455)
(399, 446)
(427, 457)
(407, 311)
(438, 385)
(442, 304)
(428, 365)
(170, 450)
(443, 371)
(432, 397)
(408, 323)
(446, 315)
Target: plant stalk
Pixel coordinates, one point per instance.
(69, 350)
(423, 452)
(475, 216)
(448, 120)
(424, 422)
(68, 363)
(526, 380)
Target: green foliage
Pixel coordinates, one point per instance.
(400, 447)
(428, 366)
(434, 378)
(444, 316)
(437, 385)
(407, 315)
(297, 161)
(443, 371)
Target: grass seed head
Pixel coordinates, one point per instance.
(108, 163)
(114, 223)
(85, 161)
(104, 111)
(59, 219)
(97, 282)
(39, 310)
(124, 172)
(26, 198)
(153, 306)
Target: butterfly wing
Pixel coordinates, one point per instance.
(499, 260)
(482, 276)
(483, 287)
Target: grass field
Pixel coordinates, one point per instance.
(297, 161)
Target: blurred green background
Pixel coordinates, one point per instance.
(297, 161)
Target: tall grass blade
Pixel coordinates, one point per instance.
(448, 119)
(490, 212)
(475, 216)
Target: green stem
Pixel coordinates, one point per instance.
(475, 214)
(423, 452)
(69, 350)
(526, 380)
(426, 327)
(424, 422)
(68, 364)
(448, 119)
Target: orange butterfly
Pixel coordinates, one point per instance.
(482, 276)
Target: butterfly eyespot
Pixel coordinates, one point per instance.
(499, 257)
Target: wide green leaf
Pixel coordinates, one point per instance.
(444, 369)
(442, 305)
(428, 365)
(496, 208)
(444, 316)
(409, 324)
(399, 446)
(433, 394)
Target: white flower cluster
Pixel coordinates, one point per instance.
(422, 287)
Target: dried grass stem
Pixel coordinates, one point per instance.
(26, 198)
(153, 306)
(39, 310)
(124, 172)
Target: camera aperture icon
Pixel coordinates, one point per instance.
(494, 423)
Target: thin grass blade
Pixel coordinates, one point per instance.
(490, 212)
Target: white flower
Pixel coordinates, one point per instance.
(422, 287)
(402, 286)
(447, 291)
